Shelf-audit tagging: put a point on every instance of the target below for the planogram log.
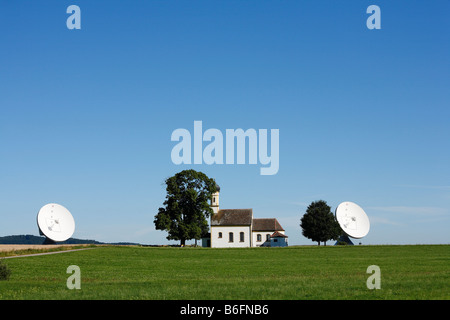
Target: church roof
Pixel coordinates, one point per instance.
(266, 224)
(277, 234)
(244, 217)
(232, 217)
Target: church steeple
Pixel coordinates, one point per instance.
(215, 200)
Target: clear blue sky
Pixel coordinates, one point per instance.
(86, 115)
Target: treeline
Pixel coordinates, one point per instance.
(31, 239)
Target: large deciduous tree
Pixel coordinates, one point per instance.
(186, 208)
(319, 224)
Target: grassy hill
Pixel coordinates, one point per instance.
(292, 273)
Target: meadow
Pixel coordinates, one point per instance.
(292, 273)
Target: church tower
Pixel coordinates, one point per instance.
(215, 200)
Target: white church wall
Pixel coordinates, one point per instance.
(223, 241)
(264, 237)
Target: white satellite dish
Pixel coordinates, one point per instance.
(55, 222)
(353, 220)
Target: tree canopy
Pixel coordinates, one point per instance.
(319, 224)
(186, 208)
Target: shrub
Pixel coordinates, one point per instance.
(5, 272)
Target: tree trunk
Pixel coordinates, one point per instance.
(183, 242)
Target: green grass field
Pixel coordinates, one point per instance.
(332, 272)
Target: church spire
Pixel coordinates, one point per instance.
(215, 200)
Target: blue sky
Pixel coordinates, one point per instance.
(86, 115)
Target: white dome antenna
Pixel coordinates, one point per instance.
(55, 222)
(352, 219)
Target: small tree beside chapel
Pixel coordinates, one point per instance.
(319, 224)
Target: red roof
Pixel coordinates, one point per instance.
(277, 234)
(266, 224)
(232, 217)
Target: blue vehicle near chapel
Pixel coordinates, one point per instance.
(277, 239)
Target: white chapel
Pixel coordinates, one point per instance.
(234, 228)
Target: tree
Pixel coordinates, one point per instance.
(5, 272)
(319, 224)
(186, 207)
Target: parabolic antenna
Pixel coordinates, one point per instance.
(352, 219)
(55, 222)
